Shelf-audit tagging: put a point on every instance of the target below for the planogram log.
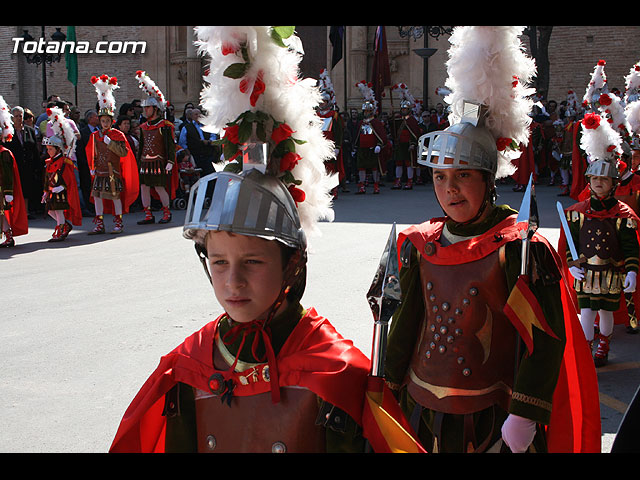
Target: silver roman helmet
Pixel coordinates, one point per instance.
(466, 144)
(250, 203)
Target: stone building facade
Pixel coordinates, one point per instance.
(170, 58)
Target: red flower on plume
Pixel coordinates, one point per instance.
(258, 88)
(601, 63)
(231, 133)
(48, 111)
(281, 132)
(604, 99)
(94, 79)
(227, 48)
(113, 81)
(503, 143)
(289, 161)
(104, 77)
(297, 194)
(138, 73)
(611, 148)
(9, 137)
(514, 84)
(591, 120)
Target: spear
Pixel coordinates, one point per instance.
(384, 297)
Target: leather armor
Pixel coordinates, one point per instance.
(255, 424)
(458, 366)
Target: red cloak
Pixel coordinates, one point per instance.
(621, 209)
(329, 135)
(74, 213)
(315, 356)
(578, 166)
(17, 214)
(526, 163)
(128, 170)
(575, 418)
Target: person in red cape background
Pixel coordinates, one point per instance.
(111, 162)
(61, 196)
(13, 212)
(604, 232)
(157, 153)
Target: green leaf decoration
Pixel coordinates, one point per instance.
(244, 131)
(233, 167)
(278, 33)
(236, 70)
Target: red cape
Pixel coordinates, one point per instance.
(526, 163)
(315, 356)
(174, 176)
(17, 214)
(74, 213)
(575, 418)
(128, 169)
(620, 316)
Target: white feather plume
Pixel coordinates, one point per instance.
(597, 84)
(602, 142)
(488, 64)
(60, 126)
(105, 86)
(632, 112)
(148, 86)
(632, 84)
(615, 114)
(286, 97)
(367, 93)
(6, 121)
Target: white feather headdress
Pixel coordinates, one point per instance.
(6, 121)
(612, 108)
(60, 127)
(406, 95)
(367, 93)
(632, 84)
(326, 85)
(105, 86)
(253, 75)
(148, 86)
(488, 65)
(597, 84)
(600, 140)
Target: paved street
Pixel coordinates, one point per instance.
(85, 321)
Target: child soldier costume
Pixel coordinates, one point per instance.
(285, 382)
(371, 141)
(405, 133)
(61, 196)
(333, 128)
(482, 349)
(157, 153)
(111, 162)
(13, 212)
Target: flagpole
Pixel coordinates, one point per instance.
(344, 63)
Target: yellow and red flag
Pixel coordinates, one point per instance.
(384, 423)
(525, 312)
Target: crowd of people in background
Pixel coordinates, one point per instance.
(195, 145)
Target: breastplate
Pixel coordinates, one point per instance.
(105, 157)
(153, 146)
(254, 424)
(598, 241)
(464, 357)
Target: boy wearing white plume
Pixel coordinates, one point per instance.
(470, 371)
